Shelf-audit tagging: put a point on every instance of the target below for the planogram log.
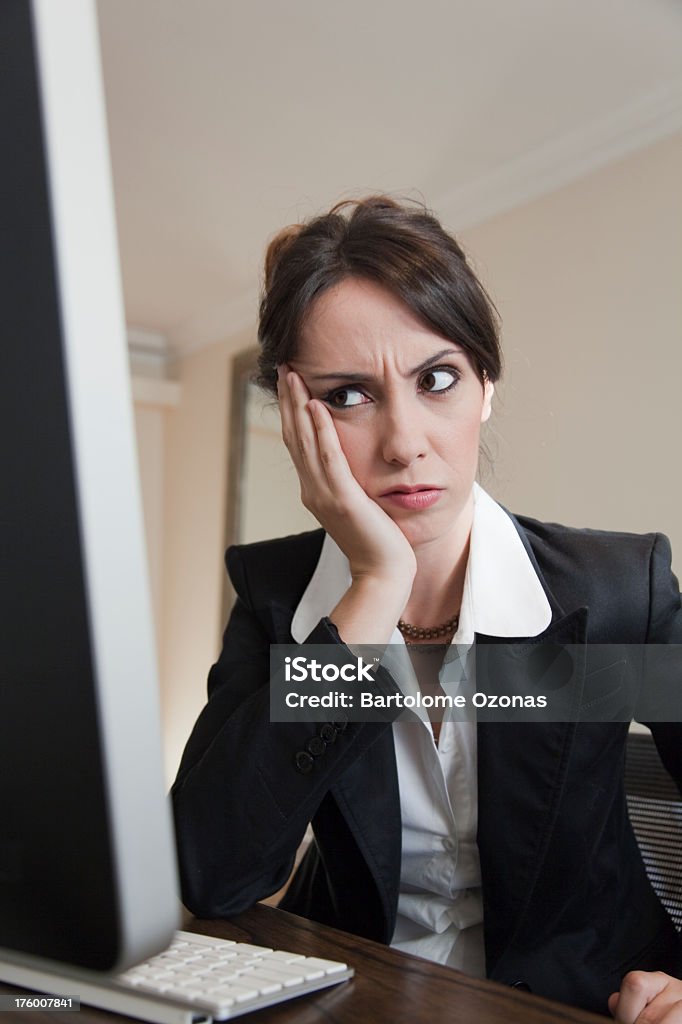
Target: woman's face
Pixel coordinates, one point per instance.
(406, 403)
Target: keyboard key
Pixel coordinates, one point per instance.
(153, 985)
(243, 993)
(176, 992)
(203, 940)
(328, 966)
(285, 974)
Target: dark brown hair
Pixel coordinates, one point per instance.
(400, 246)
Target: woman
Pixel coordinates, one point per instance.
(498, 848)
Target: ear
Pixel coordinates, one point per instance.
(488, 392)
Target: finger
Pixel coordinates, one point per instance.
(290, 421)
(672, 1014)
(637, 990)
(332, 457)
(297, 386)
(305, 429)
(285, 409)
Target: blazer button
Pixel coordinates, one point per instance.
(304, 762)
(340, 722)
(522, 986)
(328, 732)
(316, 746)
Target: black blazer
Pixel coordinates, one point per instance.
(568, 908)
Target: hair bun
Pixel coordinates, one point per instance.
(356, 207)
(276, 249)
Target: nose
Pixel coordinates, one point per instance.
(403, 439)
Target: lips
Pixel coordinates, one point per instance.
(420, 496)
(404, 489)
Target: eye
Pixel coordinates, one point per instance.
(440, 378)
(344, 398)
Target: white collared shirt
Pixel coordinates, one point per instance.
(440, 908)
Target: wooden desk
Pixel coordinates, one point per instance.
(388, 986)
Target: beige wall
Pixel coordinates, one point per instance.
(194, 500)
(155, 397)
(587, 422)
(588, 281)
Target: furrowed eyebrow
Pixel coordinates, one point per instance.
(358, 378)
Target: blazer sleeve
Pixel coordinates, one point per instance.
(241, 802)
(665, 671)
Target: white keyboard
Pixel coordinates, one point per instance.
(200, 979)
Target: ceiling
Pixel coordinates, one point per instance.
(231, 118)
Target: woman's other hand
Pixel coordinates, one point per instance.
(647, 997)
(382, 563)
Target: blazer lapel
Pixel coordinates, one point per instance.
(367, 793)
(521, 768)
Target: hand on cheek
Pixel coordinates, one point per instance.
(373, 544)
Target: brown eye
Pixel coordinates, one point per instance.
(344, 398)
(438, 380)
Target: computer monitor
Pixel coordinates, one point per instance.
(87, 864)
